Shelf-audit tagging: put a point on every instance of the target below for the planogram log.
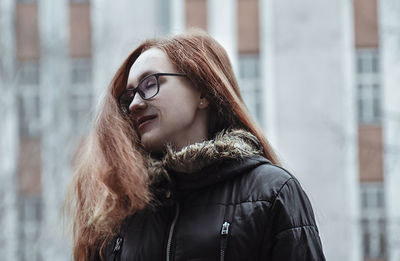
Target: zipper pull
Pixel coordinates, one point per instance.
(224, 240)
(118, 244)
(225, 229)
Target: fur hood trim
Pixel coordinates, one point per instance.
(229, 144)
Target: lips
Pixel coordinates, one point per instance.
(143, 120)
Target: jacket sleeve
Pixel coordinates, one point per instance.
(294, 233)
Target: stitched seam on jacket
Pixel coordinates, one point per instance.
(296, 227)
(273, 203)
(232, 204)
(243, 202)
(280, 189)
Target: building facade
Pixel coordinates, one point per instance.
(320, 77)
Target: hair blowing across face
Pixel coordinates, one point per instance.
(110, 180)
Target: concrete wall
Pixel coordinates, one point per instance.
(248, 26)
(389, 21)
(114, 39)
(307, 60)
(196, 14)
(366, 23)
(56, 150)
(370, 153)
(223, 26)
(8, 132)
(27, 31)
(80, 40)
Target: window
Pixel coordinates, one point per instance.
(373, 222)
(27, 1)
(29, 98)
(80, 99)
(79, 1)
(368, 86)
(30, 215)
(250, 86)
(81, 71)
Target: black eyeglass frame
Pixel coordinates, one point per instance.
(125, 107)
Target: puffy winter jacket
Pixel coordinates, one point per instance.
(236, 208)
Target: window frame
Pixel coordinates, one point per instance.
(249, 79)
(373, 220)
(368, 86)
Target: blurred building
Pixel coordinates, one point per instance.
(370, 138)
(319, 76)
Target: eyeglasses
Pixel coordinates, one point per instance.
(147, 88)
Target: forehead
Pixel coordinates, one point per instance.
(150, 61)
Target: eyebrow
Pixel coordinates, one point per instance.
(141, 76)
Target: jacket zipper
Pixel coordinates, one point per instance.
(171, 232)
(117, 247)
(224, 239)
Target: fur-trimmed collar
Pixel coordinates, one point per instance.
(229, 144)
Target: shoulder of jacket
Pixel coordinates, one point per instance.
(270, 173)
(265, 180)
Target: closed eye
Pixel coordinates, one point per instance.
(151, 85)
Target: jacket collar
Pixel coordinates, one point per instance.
(230, 153)
(217, 173)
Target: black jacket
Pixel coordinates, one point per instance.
(233, 205)
(237, 210)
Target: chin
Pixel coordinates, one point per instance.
(151, 143)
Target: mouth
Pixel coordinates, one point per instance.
(144, 120)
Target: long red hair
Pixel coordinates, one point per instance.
(111, 180)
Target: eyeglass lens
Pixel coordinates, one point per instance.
(147, 88)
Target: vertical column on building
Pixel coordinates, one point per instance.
(56, 124)
(389, 21)
(307, 61)
(177, 11)
(222, 25)
(8, 132)
(267, 64)
(114, 39)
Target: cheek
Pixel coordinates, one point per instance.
(178, 113)
(175, 118)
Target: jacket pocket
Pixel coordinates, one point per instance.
(224, 239)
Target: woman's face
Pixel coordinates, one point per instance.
(177, 115)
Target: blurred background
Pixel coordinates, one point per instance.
(320, 76)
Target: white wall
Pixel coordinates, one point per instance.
(222, 25)
(117, 28)
(8, 132)
(307, 65)
(389, 23)
(57, 133)
(177, 14)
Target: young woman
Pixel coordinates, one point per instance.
(176, 169)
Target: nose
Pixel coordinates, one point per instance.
(137, 104)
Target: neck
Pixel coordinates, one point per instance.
(196, 132)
